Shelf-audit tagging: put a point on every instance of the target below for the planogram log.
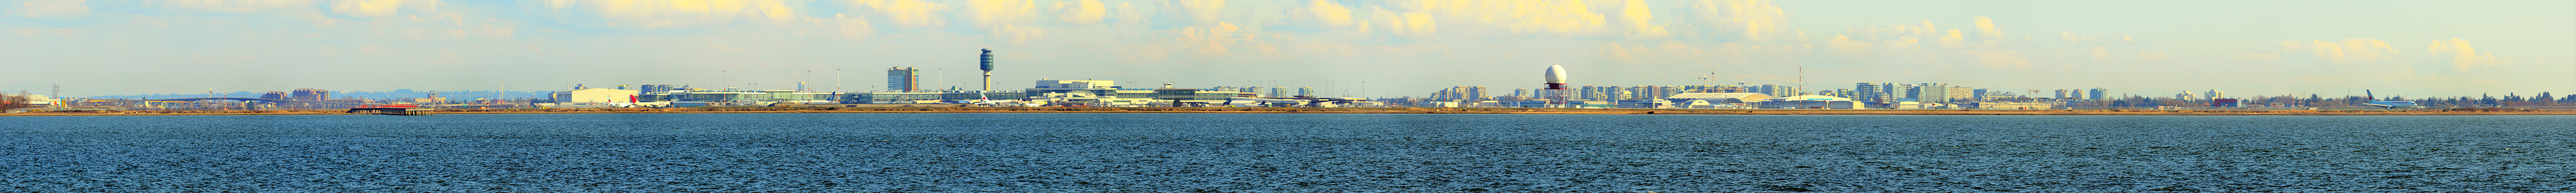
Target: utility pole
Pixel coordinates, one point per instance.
(841, 79)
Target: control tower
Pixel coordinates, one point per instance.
(988, 69)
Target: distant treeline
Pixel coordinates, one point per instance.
(13, 101)
(2313, 100)
(396, 94)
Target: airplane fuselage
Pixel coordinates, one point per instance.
(2392, 104)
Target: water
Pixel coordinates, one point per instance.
(1285, 153)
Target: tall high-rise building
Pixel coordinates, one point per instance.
(1279, 92)
(307, 94)
(1594, 93)
(1981, 95)
(901, 79)
(1477, 93)
(1929, 92)
(1712, 88)
(1960, 93)
(1875, 92)
(2101, 94)
(654, 88)
(1614, 93)
(1461, 94)
(1640, 92)
(2075, 94)
(1546, 94)
(1660, 92)
(1306, 91)
(1774, 90)
(2061, 94)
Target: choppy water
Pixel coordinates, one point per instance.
(1286, 153)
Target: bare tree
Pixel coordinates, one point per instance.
(13, 102)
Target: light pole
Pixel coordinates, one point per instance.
(840, 79)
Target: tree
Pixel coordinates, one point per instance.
(2486, 100)
(13, 102)
(2312, 99)
(2544, 99)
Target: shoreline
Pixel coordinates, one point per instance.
(1277, 110)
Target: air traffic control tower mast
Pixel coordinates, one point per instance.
(988, 69)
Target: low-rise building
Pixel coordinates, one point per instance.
(1811, 102)
(595, 95)
(2009, 106)
(738, 97)
(1716, 100)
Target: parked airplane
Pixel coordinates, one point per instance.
(2385, 104)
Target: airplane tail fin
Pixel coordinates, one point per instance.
(2366, 93)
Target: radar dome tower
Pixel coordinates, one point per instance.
(1556, 86)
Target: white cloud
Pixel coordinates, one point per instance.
(2462, 56)
(846, 27)
(1083, 12)
(1987, 26)
(1015, 33)
(378, 8)
(235, 5)
(1520, 17)
(1410, 24)
(2001, 59)
(1127, 14)
(2101, 53)
(1634, 16)
(51, 8)
(1846, 44)
(997, 13)
(1008, 20)
(2071, 37)
(2259, 56)
(676, 13)
(1194, 12)
(1750, 19)
(1329, 13)
(2349, 51)
(904, 13)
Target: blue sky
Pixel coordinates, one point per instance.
(1401, 47)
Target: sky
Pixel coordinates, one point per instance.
(1350, 48)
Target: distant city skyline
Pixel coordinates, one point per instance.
(1400, 48)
